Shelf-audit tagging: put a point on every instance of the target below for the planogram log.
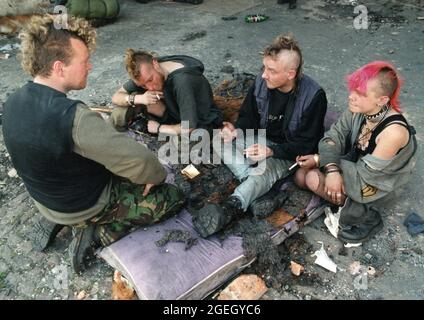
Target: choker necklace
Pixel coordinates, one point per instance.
(376, 117)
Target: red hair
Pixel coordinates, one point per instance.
(389, 80)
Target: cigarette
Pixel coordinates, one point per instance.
(157, 96)
(293, 166)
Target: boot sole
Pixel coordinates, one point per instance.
(82, 241)
(372, 233)
(73, 248)
(45, 233)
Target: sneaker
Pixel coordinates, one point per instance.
(83, 243)
(212, 218)
(45, 232)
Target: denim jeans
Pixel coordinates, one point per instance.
(255, 180)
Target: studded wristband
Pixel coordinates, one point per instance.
(131, 99)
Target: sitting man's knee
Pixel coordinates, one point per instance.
(312, 180)
(300, 177)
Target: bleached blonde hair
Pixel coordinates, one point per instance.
(42, 43)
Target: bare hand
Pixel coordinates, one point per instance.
(147, 189)
(228, 132)
(152, 126)
(306, 162)
(334, 187)
(258, 152)
(149, 97)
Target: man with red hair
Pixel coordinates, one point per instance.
(366, 156)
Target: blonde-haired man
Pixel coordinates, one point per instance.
(75, 166)
(291, 107)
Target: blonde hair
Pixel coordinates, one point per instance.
(133, 59)
(286, 43)
(42, 43)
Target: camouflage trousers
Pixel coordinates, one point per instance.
(128, 209)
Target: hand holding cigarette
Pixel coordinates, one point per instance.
(307, 162)
(293, 166)
(149, 97)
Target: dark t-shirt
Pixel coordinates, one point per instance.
(277, 107)
(187, 95)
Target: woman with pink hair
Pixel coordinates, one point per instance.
(365, 156)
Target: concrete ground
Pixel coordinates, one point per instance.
(332, 48)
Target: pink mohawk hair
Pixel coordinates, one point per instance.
(358, 80)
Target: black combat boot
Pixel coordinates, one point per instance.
(268, 203)
(83, 244)
(213, 217)
(361, 232)
(45, 232)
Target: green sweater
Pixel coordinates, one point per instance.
(97, 140)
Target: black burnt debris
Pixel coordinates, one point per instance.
(216, 182)
(193, 35)
(257, 243)
(295, 249)
(236, 87)
(176, 235)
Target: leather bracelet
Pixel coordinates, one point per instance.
(131, 99)
(335, 168)
(332, 171)
(159, 128)
(331, 164)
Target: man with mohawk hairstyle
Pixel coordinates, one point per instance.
(291, 107)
